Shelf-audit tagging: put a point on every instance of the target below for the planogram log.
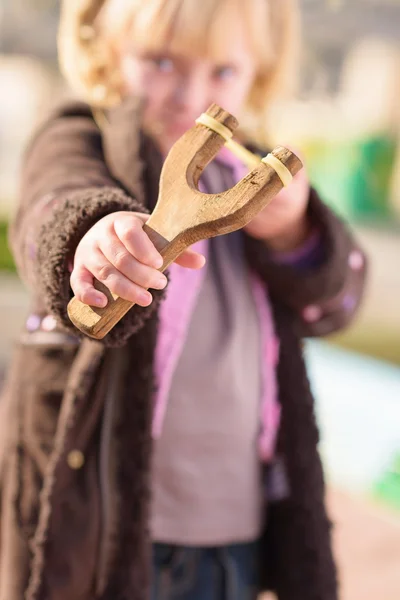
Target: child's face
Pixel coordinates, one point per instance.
(179, 86)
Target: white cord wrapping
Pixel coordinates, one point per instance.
(281, 170)
(215, 125)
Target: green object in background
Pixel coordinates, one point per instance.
(6, 259)
(353, 177)
(388, 488)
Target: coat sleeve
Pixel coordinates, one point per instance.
(325, 296)
(65, 188)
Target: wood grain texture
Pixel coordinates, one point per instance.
(97, 322)
(183, 215)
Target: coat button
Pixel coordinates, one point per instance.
(356, 260)
(312, 313)
(49, 323)
(75, 459)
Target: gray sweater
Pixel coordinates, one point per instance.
(206, 468)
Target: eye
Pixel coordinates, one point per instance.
(224, 72)
(163, 63)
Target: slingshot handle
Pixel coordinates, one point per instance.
(97, 322)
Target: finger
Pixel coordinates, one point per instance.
(81, 282)
(117, 283)
(144, 276)
(191, 260)
(144, 217)
(130, 232)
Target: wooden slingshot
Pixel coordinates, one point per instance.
(183, 215)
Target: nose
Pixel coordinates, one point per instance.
(191, 94)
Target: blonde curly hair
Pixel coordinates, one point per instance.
(90, 31)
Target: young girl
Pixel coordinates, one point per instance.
(179, 457)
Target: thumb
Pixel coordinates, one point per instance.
(191, 259)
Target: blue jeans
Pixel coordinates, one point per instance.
(218, 573)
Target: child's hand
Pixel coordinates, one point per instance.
(117, 252)
(283, 224)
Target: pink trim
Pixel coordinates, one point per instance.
(270, 410)
(175, 314)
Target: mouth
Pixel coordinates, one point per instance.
(180, 126)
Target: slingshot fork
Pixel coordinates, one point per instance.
(184, 215)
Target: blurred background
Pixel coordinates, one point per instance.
(346, 120)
